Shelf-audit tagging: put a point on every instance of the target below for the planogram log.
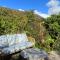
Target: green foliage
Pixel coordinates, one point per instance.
(11, 21)
(49, 43)
(49, 39)
(45, 31)
(52, 25)
(57, 44)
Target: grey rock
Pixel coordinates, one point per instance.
(34, 54)
(13, 43)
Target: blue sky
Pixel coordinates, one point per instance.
(39, 5)
(43, 8)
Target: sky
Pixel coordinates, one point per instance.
(41, 7)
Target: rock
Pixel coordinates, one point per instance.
(28, 54)
(53, 55)
(33, 54)
(15, 56)
(13, 43)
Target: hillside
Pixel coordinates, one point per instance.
(46, 32)
(14, 21)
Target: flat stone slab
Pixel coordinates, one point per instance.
(34, 54)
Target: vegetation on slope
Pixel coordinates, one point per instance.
(14, 21)
(46, 32)
(52, 25)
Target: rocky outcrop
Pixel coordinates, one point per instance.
(28, 54)
(33, 54)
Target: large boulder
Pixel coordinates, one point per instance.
(10, 44)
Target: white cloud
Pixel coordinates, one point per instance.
(41, 14)
(20, 9)
(54, 7)
(38, 13)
